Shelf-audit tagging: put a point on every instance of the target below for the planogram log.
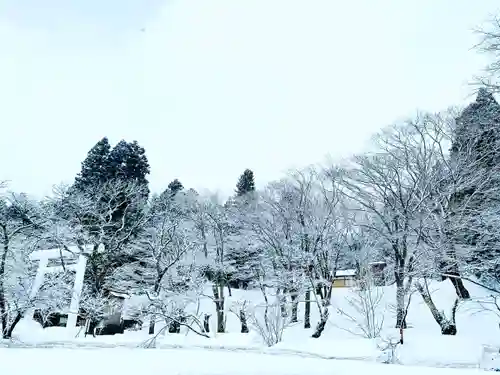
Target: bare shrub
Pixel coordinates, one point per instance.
(388, 346)
(365, 311)
(172, 309)
(270, 323)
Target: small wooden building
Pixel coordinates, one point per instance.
(345, 278)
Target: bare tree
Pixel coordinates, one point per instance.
(197, 211)
(298, 222)
(444, 214)
(218, 223)
(409, 185)
(448, 325)
(321, 227)
(107, 218)
(393, 184)
(462, 212)
(21, 221)
(164, 245)
(274, 226)
(364, 308)
(111, 215)
(489, 44)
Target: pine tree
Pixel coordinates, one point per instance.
(175, 186)
(128, 162)
(246, 183)
(477, 140)
(243, 257)
(105, 171)
(477, 130)
(96, 168)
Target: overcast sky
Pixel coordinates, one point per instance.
(212, 87)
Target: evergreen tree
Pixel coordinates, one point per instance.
(175, 186)
(243, 258)
(477, 131)
(109, 178)
(477, 141)
(241, 255)
(246, 183)
(125, 163)
(128, 162)
(96, 168)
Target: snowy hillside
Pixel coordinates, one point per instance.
(423, 342)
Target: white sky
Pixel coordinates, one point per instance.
(212, 87)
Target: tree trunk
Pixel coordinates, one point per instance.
(87, 326)
(321, 324)
(400, 304)
(282, 302)
(18, 318)
(319, 291)
(206, 323)
(91, 326)
(328, 293)
(159, 276)
(448, 327)
(458, 284)
(3, 303)
(218, 291)
(295, 306)
(243, 320)
(450, 267)
(460, 288)
(204, 239)
(152, 325)
(307, 314)
(174, 327)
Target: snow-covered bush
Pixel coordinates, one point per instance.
(389, 349)
(268, 321)
(364, 310)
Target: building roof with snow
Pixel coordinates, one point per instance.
(345, 273)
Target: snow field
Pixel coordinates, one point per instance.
(424, 345)
(189, 362)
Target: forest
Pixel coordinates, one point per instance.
(423, 199)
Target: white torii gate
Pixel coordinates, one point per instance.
(43, 257)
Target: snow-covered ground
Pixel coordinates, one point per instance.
(339, 350)
(188, 362)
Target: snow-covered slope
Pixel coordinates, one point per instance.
(189, 362)
(424, 344)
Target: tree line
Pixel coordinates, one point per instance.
(424, 199)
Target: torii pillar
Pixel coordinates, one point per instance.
(43, 257)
